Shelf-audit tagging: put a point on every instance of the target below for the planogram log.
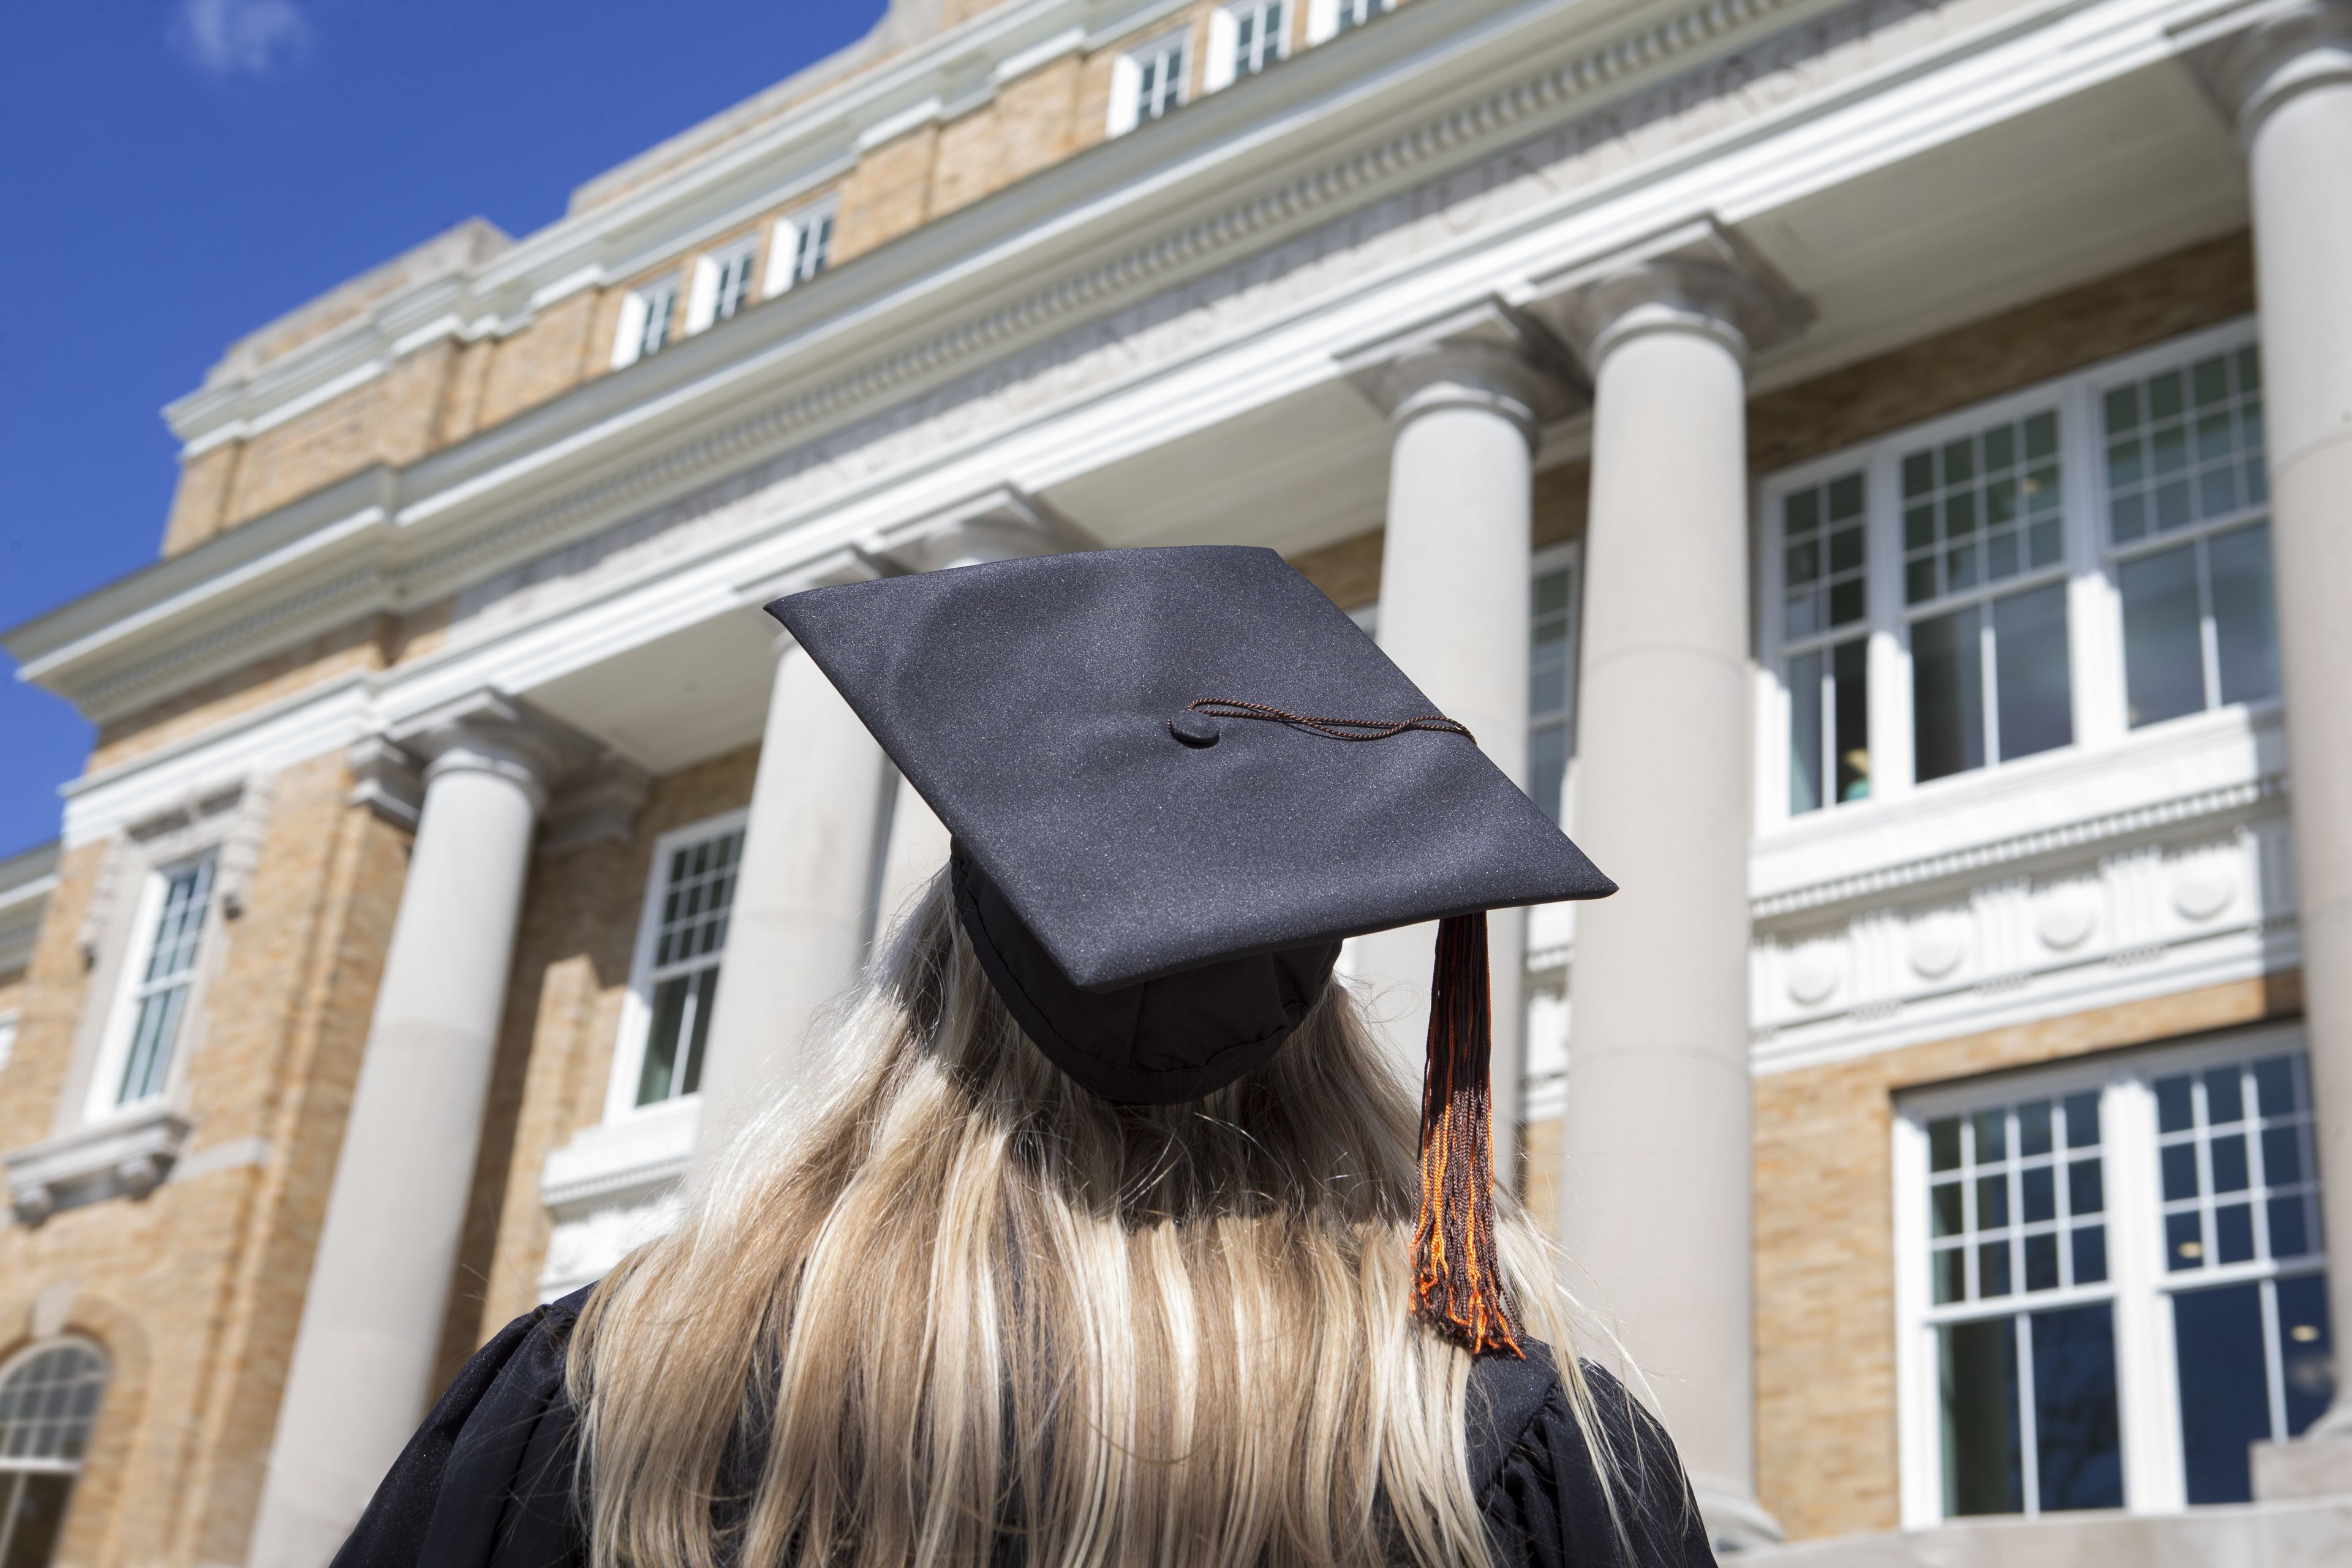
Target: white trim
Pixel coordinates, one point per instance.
(636, 1003)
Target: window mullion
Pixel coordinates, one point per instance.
(2208, 637)
(2147, 1396)
(2273, 1361)
(1891, 762)
(2029, 1437)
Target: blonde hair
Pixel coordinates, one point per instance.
(957, 1299)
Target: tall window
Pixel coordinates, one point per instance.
(2241, 1196)
(647, 316)
(1247, 37)
(2139, 1238)
(1990, 677)
(2186, 499)
(800, 248)
(1149, 82)
(1825, 599)
(165, 970)
(1329, 18)
(49, 1400)
(682, 939)
(1551, 679)
(722, 284)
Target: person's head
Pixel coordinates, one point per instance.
(952, 1295)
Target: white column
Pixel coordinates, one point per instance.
(1466, 397)
(1655, 1208)
(363, 1364)
(2290, 82)
(804, 909)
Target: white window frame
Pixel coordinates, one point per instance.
(1326, 19)
(130, 988)
(8, 1022)
(788, 265)
(1127, 79)
(1222, 66)
(2087, 567)
(638, 308)
(27, 1465)
(2147, 1387)
(636, 1003)
(2176, 353)
(722, 283)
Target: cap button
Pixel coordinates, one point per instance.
(1195, 729)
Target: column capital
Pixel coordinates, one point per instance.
(489, 731)
(1698, 278)
(2284, 50)
(1487, 354)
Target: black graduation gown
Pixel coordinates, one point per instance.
(486, 1482)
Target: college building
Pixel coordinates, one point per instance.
(1880, 472)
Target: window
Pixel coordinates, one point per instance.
(1148, 83)
(2187, 497)
(1244, 38)
(799, 247)
(49, 1400)
(1989, 680)
(1329, 18)
(1551, 679)
(2051, 571)
(162, 974)
(647, 316)
(722, 284)
(682, 938)
(2113, 1281)
(1825, 586)
(2241, 1195)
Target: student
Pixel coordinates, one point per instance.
(1110, 1237)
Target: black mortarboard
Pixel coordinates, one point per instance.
(1175, 779)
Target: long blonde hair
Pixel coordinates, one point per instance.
(956, 1301)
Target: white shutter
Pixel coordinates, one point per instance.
(631, 334)
(1126, 81)
(702, 302)
(1225, 37)
(1322, 20)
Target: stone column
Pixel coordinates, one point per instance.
(2289, 82)
(1656, 1209)
(917, 850)
(805, 908)
(1466, 396)
(363, 1363)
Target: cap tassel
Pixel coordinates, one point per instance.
(1457, 1288)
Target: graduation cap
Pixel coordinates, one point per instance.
(1176, 779)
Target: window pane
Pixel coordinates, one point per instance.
(1805, 734)
(2164, 646)
(2036, 695)
(2245, 635)
(1548, 768)
(1947, 694)
(2076, 1434)
(2305, 1360)
(1977, 1366)
(1944, 1143)
(2224, 1388)
(1850, 675)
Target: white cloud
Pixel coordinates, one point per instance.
(226, 37)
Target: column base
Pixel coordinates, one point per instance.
(1735, 1522)
(2317, 1464)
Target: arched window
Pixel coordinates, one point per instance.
(48, 1399)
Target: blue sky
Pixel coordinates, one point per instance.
(178, 172)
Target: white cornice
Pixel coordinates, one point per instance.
(1326, 136)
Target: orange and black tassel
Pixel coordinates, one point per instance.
(1457, 1288)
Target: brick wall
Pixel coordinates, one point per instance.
(194, 1292)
